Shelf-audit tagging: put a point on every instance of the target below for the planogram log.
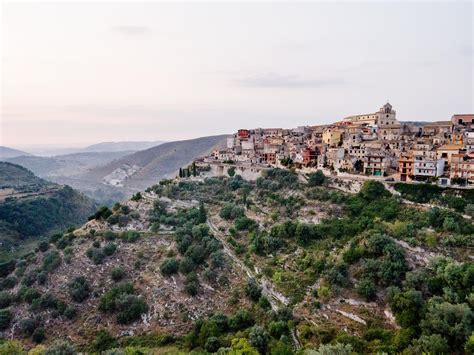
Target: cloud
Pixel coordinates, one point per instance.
(132, 30)
(273, 80)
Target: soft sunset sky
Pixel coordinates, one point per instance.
(89, 72)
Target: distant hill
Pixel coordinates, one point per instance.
(144, 168)
(19, 178)
(31, 207)
(66, 165)
(6, 152)
(120, 146)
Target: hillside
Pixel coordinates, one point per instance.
(31, 207)
(144, 168)
(286, 263)
(120, 146)
(68, 164)
(6, 152)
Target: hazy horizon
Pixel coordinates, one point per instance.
(84, 73)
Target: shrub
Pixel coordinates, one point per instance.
(430, 344)
(113, 219)
(366, 289)
(137, 197)
(117, 273)
(96, 255)
(244, 223)
(43, 246)
(79, 289)
(373, 190)
(102, 213)
(8, 283)
(5, 299)
(169, 267)
(258, 338)
(27, 294)
(130, 308)
(240, 320)
(38, 335)
(61, 347)
(70, 312)
(212, 344)
(123, 300)
(27, 326)
(110, 249)
(316, 179)
(191, 284)
(253, 290)
(131, 236)
(5, 318)
(51, 261)
(103, 341)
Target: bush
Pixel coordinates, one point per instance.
(113, 219)
(110, 249)
(123, 300)
(5, 318)
(316, 179)
(51, 261)
(61, 347)
(253, 290)
(430, 344)
(137, 197)
(130, 308)
(27, 326)
(70, 312)
(102, 213)
(240, 320)
(79, 289)
(43, 246)
(38, 335)
(8, 283)
(373, 190)
(169, 267)
(117, 273)
(103, 341)
(96, 255)
(131, 236)
(244, 223)
(5, 299)
(258, 338)
(212, 344)
(191, 284)
(366, 289)
(27, 294)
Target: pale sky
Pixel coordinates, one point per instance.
(90, 72)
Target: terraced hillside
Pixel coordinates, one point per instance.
(282, 265)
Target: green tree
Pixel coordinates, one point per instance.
(408, 307)
(258, 338)
(169, 267)
(452, 321)
(316, 179)
(430, 344)
(373, 190)
(366, 289)
(79, 289)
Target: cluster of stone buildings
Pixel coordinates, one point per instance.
(374, 144)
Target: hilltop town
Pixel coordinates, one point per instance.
(374, 144)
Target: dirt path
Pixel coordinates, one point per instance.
(275, 298)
